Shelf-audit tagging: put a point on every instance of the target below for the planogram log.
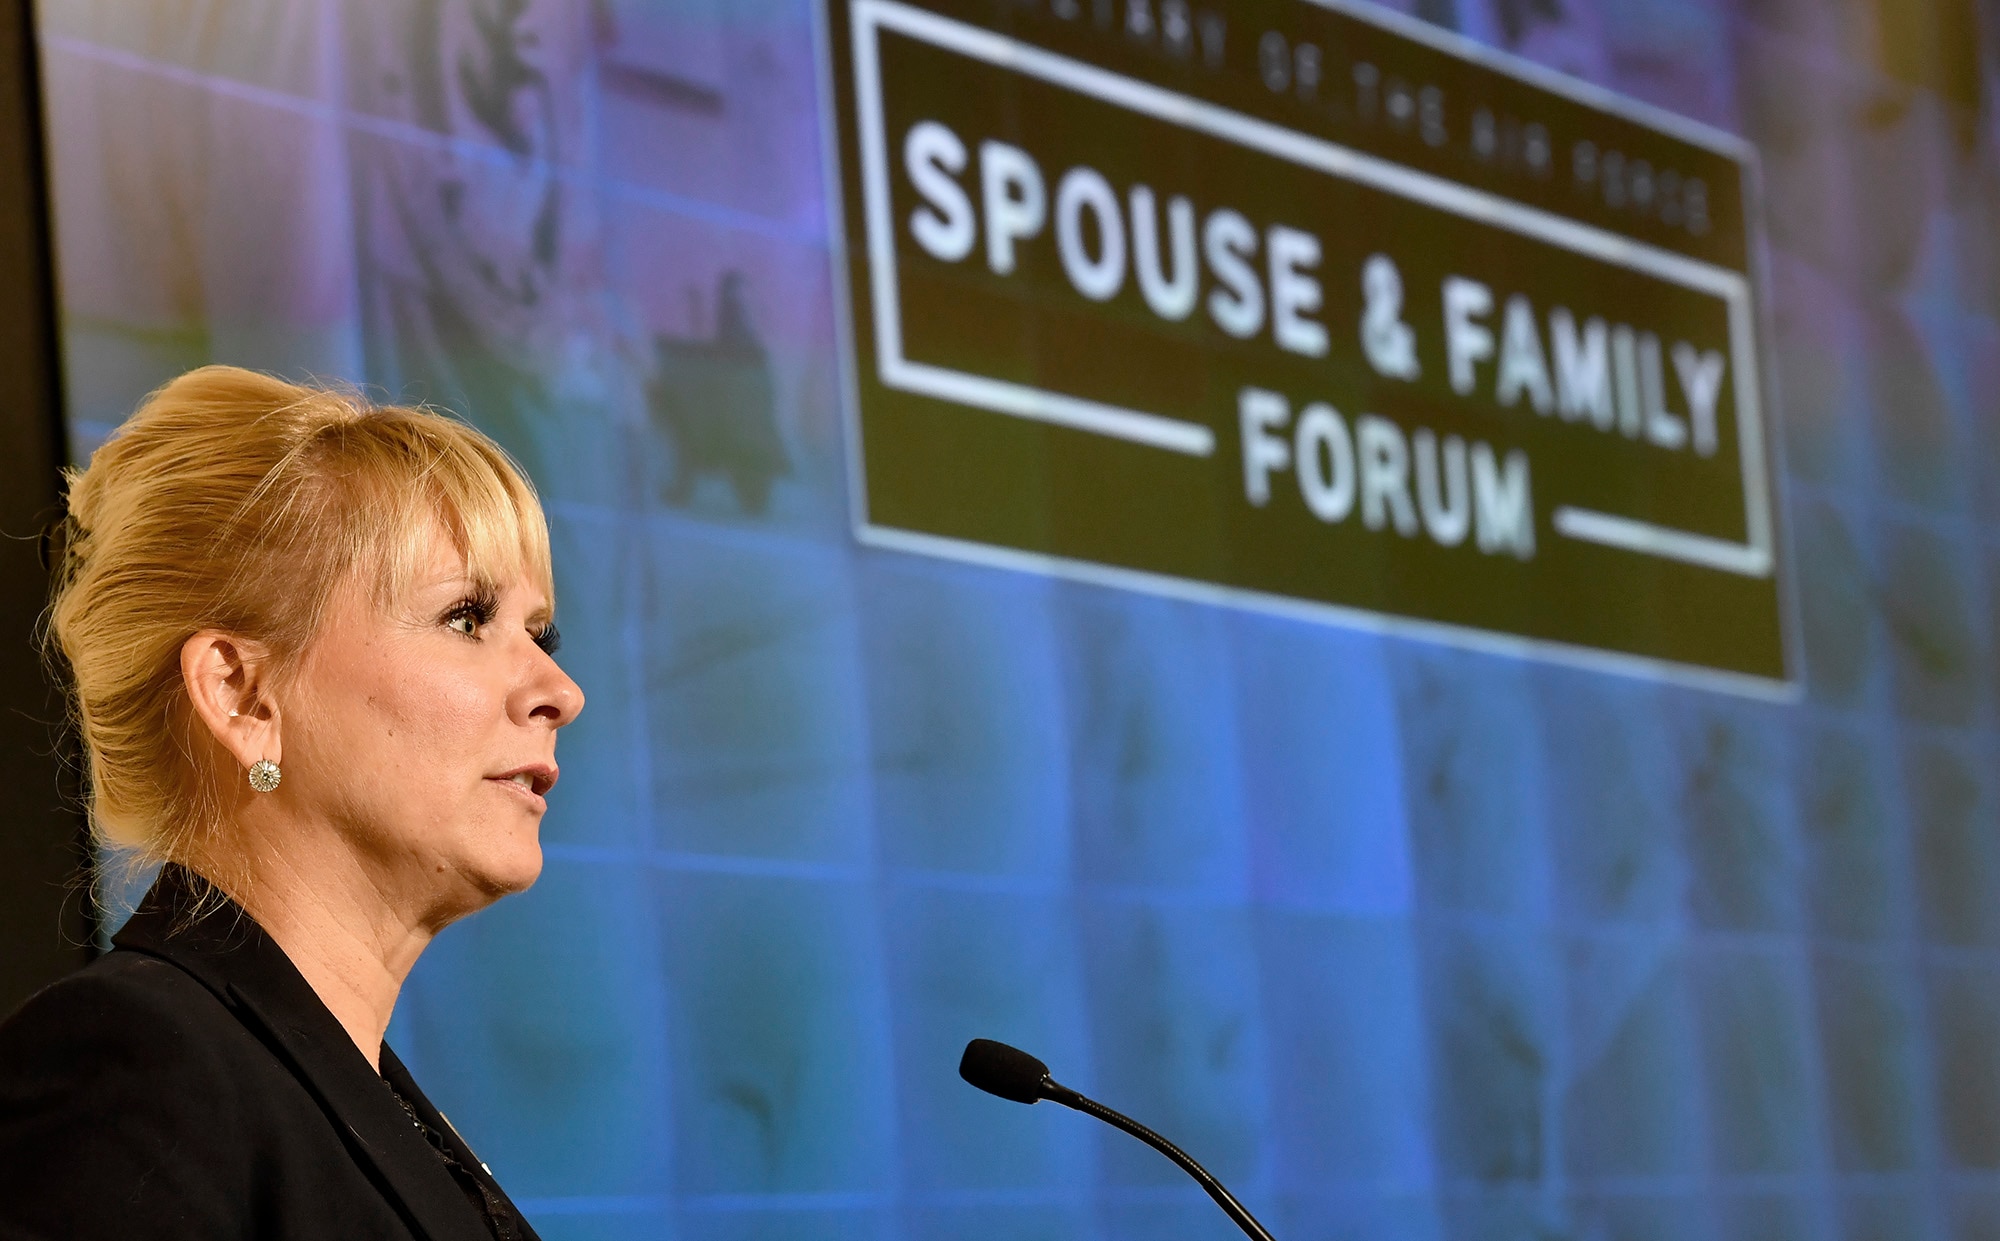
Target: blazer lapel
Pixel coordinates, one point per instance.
(229, 953)
(399, 1077)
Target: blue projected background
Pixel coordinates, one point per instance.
(1405, 942)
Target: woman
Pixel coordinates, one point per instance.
(310, 641)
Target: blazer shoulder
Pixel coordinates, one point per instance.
(122, 1110)
(126, 1024)
(124, 994)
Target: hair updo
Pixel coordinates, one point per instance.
(236, 501)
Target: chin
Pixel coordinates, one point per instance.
(507, 870)
(518, 871)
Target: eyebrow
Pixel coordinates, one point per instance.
(472, 583)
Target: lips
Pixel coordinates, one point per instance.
(536, 778)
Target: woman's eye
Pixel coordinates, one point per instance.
(465, 623)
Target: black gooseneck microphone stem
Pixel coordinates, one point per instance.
(1056, 1093)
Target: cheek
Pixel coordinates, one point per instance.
(436, 719)
(413, 725)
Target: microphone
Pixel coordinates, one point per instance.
(1015, 1075)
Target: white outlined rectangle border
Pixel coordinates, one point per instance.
(1755, 557)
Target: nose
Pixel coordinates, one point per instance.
(550, 694)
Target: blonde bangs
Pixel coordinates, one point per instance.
(463, 484)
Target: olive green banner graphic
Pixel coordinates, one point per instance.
(1297, 309)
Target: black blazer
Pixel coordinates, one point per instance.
(190, 1084)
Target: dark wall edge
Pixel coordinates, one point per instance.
(45, 920)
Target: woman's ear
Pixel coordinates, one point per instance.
(231, 688)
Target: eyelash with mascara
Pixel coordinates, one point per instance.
(480, 607)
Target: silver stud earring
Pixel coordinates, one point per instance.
(264, 775)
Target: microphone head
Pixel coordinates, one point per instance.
(1002, 1070)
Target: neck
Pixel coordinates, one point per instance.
(342, 928)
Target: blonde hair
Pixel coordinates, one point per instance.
(236, 501)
